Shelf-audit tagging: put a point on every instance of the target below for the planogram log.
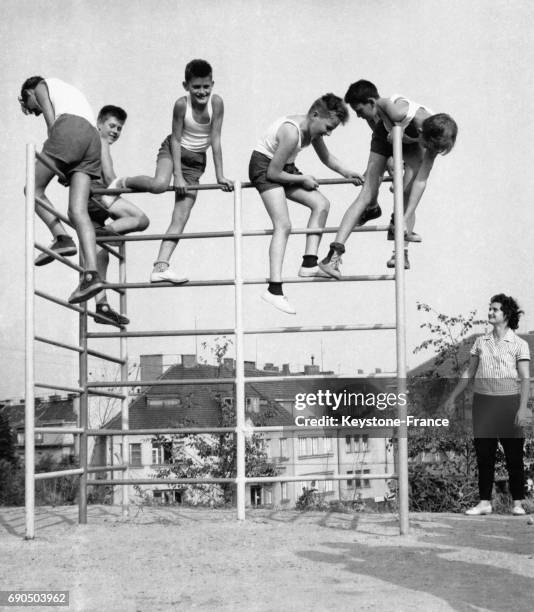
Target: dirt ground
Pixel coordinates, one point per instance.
(173, 558)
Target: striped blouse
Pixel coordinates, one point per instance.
(497, 363)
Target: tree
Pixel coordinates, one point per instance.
(7, 441)
(215, 456)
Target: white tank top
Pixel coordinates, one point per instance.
(268, 143)
(67, 99)
(196, 136)
(413, 107)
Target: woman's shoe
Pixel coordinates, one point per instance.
(479, 509)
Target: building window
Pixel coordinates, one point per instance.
(315, 446)
(283, 493)
(253, 404)
(357, 444)
(283, 447)
(135, 454)
(161, 453)
(360, 482)
(161, 402)
(350, 483)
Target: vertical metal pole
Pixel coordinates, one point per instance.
(400, 311)
(83, 418)
(239, 358)
(29, 414)
(125, 416)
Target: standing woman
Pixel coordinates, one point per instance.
(498, 360)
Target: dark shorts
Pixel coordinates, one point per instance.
(494, 415)
(74, 144)
(193, 163)
(98, 211)
(381, 145)
(257, 172)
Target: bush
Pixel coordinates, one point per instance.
(11, 483)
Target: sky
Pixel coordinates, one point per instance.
(471, 59)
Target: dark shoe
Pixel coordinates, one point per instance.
(371, 212)
(105, 315)
(62, 245)
(107, 232)
(391, 261)
(89, 286)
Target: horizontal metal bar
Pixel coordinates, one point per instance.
(59, 474)
(105, 468)
(230, 234)
(320, 477)
(59, 388)
(257, 379)
(253, 281)
(119, 191)
(163, 333)
(56, 300)
(53, 211)
(158, 383)
(167, 481)
(106, 357)
(319, 328)
(63, 430)
(57, 257)
(166, 431)
(70, 347)
(107, 393)
(46, 162)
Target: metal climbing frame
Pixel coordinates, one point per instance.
(87, 388)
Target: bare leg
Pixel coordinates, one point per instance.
(102, 262)
(319, 207)
(369, 192)
(412, 163)
(78, 198)
(276, 205)
(127, 217)
(180, 216)
(43, 176)
(156, 184)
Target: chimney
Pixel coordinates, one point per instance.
(268, 367)
(189, 361)
(151, 367)
(311, 370)
(228, 362)
(54, 398)
(249, 366)
(360, 371)
(378, 370)
(285, 369)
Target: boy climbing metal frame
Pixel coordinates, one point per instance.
(95, 388)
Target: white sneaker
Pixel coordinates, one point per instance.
(518, 511)
(167, 276)
(481, 508)
(331, 268)
(313, 272)
(278, 301)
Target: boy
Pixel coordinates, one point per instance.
(125, 215)
(196, 125)
(273, 172)
(73, 146)
(425, 135)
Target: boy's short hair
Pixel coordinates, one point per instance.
(360, 92)
(29, 83)
(197, 68)
(112, 111)
(510, 309)
(439, 133)
(330, 103)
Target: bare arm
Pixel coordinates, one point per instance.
(287, 142)
(523, 414)
(216, 126)
(108, 172)
(178, 115)
(43, 99)
(395, 111)
(467, 375)
(419, 183)
(332, 162)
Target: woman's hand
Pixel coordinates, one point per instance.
(523, 418)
